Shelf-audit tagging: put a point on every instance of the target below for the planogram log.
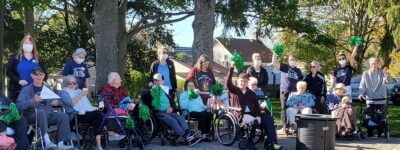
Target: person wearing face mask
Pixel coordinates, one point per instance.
(316, 85)
(165, 67)
(20, 66)
(259, 72)
(344, 73)
(290, 75)
(77, 68)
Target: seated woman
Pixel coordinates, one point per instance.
(347, 117)
(156, 98)
(196, 107)
(333, 99)
(76, 100)
(20, 126)
(299, 101)
(118, 92)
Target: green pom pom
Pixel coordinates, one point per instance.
(144, 112)
(217, 89)
(12, 116)
(130, 124)
(268, 105)
(239, 61)
(278, 49)
(192, 94)
(156, 94)
(356, 40)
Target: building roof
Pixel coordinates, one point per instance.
(218, 70)
(246, 47)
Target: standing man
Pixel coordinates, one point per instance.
(344, 73)
(290, 75)
(316, 85)
(259, 72)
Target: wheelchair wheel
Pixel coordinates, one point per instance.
(146, 130)
(226, 129)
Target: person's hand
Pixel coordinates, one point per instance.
(233, 64)
(150, 84)
(22, 82)
(322, 100)
(169, 110)
(131, 106)
(294, 106)
(84, 92)
(37, 98)
(361, 97)
(197, 91)
(263, 105)
(55, 103)
(258, 120)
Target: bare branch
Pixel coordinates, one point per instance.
(77, 13)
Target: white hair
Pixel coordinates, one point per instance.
(111, 77)
(316, 63)
(67, 78)
(80, 51)
(301, 84)
(378, 61)
(253, 80)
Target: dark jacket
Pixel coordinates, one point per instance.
(262, 77)
(240, 100)
(13, 75)
(316, 85)
(146, 98)
(172, 73)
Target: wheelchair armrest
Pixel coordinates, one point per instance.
(234, 108)
(59, 107)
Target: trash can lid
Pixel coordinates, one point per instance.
(316, 117)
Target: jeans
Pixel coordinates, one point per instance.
(173, 120)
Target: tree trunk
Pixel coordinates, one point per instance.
(29, 26)
(122, 39)
(106, 32)
(203, 28)
(2, 9)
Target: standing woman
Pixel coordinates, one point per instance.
(258, 72)
(203, 75)
(21, 64)
(165, 67)
(77, 68)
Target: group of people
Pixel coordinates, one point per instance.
(298, 93)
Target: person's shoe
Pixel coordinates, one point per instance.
(195, 141)
(116, 137)
(277, 146)
(50, 145)
(192, 135)
(64, 147)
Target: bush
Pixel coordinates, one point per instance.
(135, 82)
(181, 55)
(180, 85)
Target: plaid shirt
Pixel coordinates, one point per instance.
(118, 94)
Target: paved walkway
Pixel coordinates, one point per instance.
(289, 143)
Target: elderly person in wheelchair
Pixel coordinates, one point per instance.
(15, 128)
(156, 97)
(250, 112)
(77, 104)
(373, 90)
(114, 92)
(31, 97)
(191, 100)
(299, 101)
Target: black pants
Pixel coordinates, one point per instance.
(205, 119)
(93, 118)
(320, 107)
(20, 127)
(13, 94)
(377, 114)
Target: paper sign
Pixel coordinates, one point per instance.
(165, 89)
(48, 94)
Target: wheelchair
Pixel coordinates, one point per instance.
(228, 129)
(36, 138)
(380, 117)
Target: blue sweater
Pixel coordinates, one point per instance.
(306, 99)
(195, 105)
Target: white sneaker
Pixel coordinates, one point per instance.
(64, 147)
(50, 145)
(116, 137)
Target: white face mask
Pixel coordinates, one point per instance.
(257, 62)
(78, 60)
(342, 62)
(164, 57)
(292, 63)
(27, 47)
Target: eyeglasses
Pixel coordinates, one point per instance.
(39, 74)
(71, 83)
(342, 58)
(165, 52)
(253, 84)
(313, 66)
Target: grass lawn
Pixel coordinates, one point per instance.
(394, 116)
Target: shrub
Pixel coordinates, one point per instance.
(181, 55)
(135, 82)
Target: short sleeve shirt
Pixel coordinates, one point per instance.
(343, 75)
(289, 77)
(80, 71)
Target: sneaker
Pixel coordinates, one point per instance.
(277, 146)
(64, 147)
(50, 145)
(192, 135)
(116, 137)
(195, 141)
